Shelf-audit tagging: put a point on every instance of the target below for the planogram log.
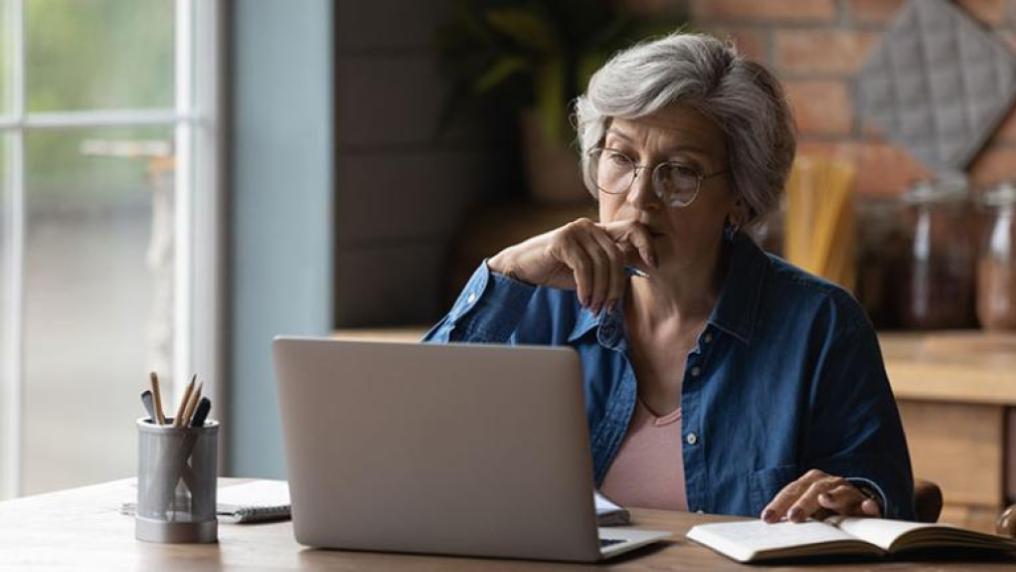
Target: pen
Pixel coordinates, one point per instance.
(632, 271)
(201, 412)
(146, 401)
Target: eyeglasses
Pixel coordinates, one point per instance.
(676, 184)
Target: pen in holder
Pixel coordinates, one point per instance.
(177, 471)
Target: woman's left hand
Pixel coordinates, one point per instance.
(818, 494)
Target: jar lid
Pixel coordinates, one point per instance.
(943, 189)
(1000, 196)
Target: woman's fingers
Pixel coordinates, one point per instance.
(581, 266)
(637, 235)
(782, 504)
(596, 261)
(844, 499)
(615, 271)
(817, 494)
(808, 503)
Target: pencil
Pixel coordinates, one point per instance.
(160, 418)
(178, 418)
(192, 404)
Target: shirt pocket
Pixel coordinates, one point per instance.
(764, 484)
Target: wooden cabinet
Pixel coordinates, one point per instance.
(957, 398)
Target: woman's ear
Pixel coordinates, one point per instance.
(738, 213)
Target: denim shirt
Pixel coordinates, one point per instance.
(787, 376)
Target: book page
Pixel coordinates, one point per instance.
(262, 493)
(608, 513)
(603, 504)
(903, 535)
(746, 540)
(878, 531)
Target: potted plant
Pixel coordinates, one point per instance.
(535, 57)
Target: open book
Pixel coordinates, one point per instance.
(755, 541)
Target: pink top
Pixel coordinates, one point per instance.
(648, 471)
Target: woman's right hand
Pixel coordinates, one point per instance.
(582, 255)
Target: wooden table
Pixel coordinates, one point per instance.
(82, 529)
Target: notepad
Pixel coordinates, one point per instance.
(756, 541)
(257, 501)
(608, 513)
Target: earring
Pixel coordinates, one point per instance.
(730, 229)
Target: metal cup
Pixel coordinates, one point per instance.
(177, 477)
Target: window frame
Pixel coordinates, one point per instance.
(198, 209)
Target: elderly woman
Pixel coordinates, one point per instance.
(717, 378)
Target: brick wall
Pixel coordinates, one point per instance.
(816, 47)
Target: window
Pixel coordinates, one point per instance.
(108, 236)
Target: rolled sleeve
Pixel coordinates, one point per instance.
(882, 500)
(487, 310)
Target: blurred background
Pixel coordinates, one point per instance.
(182, 180)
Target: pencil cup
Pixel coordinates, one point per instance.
(177, 470)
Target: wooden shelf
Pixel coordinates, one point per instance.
(961, 366)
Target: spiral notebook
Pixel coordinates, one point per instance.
(256, 501)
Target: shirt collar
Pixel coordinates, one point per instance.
(735, 310)
(737, 307)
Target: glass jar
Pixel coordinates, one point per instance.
(881, 249)
(937, 290)
(996, 265)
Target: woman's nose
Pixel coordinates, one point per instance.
(641, 195)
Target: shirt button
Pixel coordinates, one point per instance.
(691, 438)
(695, 371)
(707, 338)
(471, 298)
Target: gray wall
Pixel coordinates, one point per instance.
(281, 197)
(403, 191)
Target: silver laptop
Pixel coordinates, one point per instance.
(476, 450)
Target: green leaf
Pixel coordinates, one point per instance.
(550, 103)
(525, 27)
(497, 73)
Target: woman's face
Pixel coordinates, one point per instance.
(681, 134)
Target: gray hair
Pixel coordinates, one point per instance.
(743, 98)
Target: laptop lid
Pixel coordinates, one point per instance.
(440, 448)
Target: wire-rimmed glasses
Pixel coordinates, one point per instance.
(676, 184)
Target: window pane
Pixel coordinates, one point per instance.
(98, 299)
(6, 274)
(6, 53)
(99, 54)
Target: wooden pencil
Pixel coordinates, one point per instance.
(160, 417)
(178, 418)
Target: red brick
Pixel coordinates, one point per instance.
(988, 12)
(882, 169)
(824, 51)
(874, 11)
(764, 10)
(820, 106)
(993, 165)
(752, 43)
